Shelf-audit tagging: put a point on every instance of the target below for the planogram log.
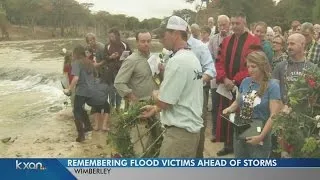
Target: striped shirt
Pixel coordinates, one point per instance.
(313, 53)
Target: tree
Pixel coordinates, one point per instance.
(264, 10)
(102, 21)
(316, 12)
(288, 10)
(132, 23)
(186, 14)
(87, 5)
(4, 24)
(150, 24)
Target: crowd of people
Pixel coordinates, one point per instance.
(235, 47)
(254, 64)
(91, 71)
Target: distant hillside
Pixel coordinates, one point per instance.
(27, 33)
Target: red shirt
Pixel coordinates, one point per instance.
(67, 69)
(231, 60)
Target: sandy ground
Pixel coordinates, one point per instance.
(55, 137)
(33, 121)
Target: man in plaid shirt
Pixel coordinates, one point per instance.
(312, 51)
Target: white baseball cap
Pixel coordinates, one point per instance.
(177, 23)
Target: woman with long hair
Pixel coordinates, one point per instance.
(88, 91)
(258, 101)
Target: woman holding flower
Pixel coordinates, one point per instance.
(259, 100)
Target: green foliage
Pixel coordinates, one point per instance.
(152, 23)
(69, 14)
(300, 128)
(316, 12)
(120, 138)
(186, 14)
(280, 14)
(311, 147)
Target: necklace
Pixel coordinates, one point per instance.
(187, 47)
(248, 101)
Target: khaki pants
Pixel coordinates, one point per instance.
(204, 114)
(179, 143)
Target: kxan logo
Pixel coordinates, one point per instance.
(29, 165)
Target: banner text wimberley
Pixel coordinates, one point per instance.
(105, 171)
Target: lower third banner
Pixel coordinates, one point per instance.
(72, 168)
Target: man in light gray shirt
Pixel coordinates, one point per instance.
(180, 96)
(208, 72)
(135, 82)
(224, 31)
(134, 79)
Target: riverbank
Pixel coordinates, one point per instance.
(34, 120)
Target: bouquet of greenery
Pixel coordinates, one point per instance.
(300, 128)
(119, 137)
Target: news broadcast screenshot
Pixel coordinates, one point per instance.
(169, 89)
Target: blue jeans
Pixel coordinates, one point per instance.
(113, 96)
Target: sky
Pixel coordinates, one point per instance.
(141, 9)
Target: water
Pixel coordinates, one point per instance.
(32, 110)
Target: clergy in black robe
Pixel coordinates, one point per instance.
(231, 70)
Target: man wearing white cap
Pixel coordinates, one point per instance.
(180, 96)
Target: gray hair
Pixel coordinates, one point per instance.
(223, 17)
(195, 27)
(195, 30)
(307, 26)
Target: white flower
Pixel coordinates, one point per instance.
(257, 101)
(166, 52)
